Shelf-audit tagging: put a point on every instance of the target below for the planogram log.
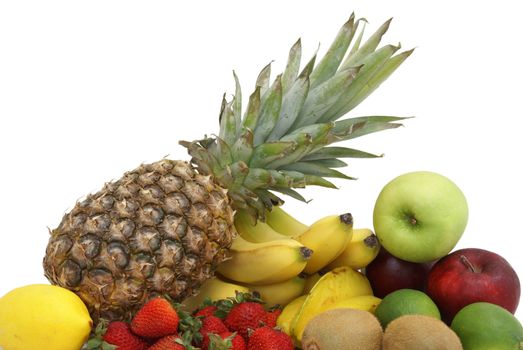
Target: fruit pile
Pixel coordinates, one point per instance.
(213, 228)
(288, 285)
(236, 323)
(338, 267)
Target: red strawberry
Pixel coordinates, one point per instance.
(267, 338)
(226, 340)
(271, 317)
(245, 316)
(206, 311)
(119, 333)
(170, 342)
(157, 318)
(211, 324)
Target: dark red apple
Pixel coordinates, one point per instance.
(386, 274)
(472, 275)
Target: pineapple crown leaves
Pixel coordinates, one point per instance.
(281, 142)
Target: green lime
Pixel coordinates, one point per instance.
(483, 326)
(405, 302)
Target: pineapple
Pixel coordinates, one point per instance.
(163, 228)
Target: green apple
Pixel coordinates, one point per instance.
(420, 216)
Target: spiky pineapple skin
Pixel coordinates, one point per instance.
(161, 229)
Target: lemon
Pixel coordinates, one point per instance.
(44, 317)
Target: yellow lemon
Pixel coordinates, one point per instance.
(43, 317)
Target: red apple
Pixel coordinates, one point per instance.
(472, 275)
(387, 273)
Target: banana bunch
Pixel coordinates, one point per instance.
(332, 239)
(306, 269)
(264, 262)
(282, 258)
(264, 257)
(261, 255)
(328, 238)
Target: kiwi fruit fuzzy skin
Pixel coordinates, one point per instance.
(343, 328)
(419, 332)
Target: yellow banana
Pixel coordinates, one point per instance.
(285, 223)
(280, 293)
(214, 289)
(328, 238)
(264, 263)
(289, 313)
(361, 250)
(256, 233)
(361, 302)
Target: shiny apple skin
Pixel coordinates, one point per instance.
(387, 273)
(472, 275)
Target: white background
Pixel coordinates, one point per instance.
(90, 89)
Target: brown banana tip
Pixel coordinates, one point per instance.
(346, 218)
(306, 253)
(371, 241)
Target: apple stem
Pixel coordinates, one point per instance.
(467, 263)
(411, 219)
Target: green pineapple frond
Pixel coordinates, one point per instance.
(281, 142)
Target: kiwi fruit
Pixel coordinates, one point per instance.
(419, 332)
(344, 328)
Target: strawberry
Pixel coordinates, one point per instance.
(170, 342)
(267, 338)
(206, 311)
(226, 341)
(157, 318)
(245, 316)
(271, 317)
(211, 325)
(119, 333)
